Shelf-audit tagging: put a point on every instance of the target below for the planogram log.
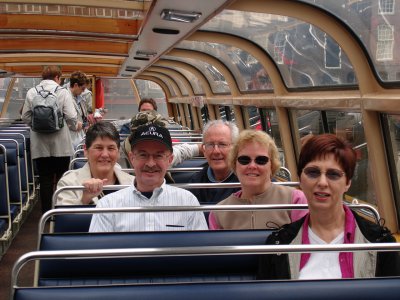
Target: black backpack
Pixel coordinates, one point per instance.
(46, 115)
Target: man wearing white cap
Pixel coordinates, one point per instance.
(150, 156)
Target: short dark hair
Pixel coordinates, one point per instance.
(77, 77)
(51, 72)
(101, 129)
(148, 100)
(322, 145)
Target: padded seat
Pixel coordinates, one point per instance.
(149, 269)
(184, 177)
(349, 289)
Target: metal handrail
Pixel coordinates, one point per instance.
(65, 210)
(94, 210)
(179, 185)
(186, 137)
(192, 143)
(171, 170)
(363, 208)
(191, 251)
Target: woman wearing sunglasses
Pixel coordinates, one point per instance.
(326, 166)
(255, 160)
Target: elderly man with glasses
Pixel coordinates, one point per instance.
(218, 139)
(150, 156)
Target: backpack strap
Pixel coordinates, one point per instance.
(36, 88)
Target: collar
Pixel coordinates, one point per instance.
(156, 192)
(349, 233)
(211, 177)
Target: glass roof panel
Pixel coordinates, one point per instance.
(248, 72)
(181, 86)
(194, 81)
(374, 23)
(305, 55)
(215, 78)
(142, 86)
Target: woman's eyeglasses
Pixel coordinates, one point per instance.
(331, 174)
(259, 160)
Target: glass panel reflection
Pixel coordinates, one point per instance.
(392, 124)
(374, 23)
(215, 78)
(227, 113)
(305, 55)
(347, 125)
(18, 94)
(248, 72)
(194, 81)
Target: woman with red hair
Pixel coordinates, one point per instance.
(326, 166)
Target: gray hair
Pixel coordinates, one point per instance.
(232, 127)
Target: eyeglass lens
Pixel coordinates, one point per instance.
(259, 160)
(331, 174)
(211, 146)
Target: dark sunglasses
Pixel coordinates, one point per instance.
(331, 174)
(259, 160)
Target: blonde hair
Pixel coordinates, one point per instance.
(260, 137)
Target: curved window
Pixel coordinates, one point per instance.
(374, 23)
(18, 94)
(194, 81)
(391, 125)
(247, 71)
(305, 55)
(215, 78)
(347, 125)
(150, 89)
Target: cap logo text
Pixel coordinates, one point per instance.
(152, 131)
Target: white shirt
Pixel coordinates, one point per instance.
(322, 265)
(166, 195)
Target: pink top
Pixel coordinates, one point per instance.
(345, 258)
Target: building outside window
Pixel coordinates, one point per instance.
(385, 42)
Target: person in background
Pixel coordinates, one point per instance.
(150, 156)
(51, 152)
(326, 166)
(76, 85)
(218, 138)
(87, 96)
(255, 160)
(147, 104)
(102, 151)
(181, 151)
(148, 114)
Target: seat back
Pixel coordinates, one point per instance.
(149, 269)
(347, 289)
(184, 177)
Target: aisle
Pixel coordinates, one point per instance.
(25, 241)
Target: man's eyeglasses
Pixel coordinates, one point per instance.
(331, 174)
(146, 156)
(259, 160)
(211, 146)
